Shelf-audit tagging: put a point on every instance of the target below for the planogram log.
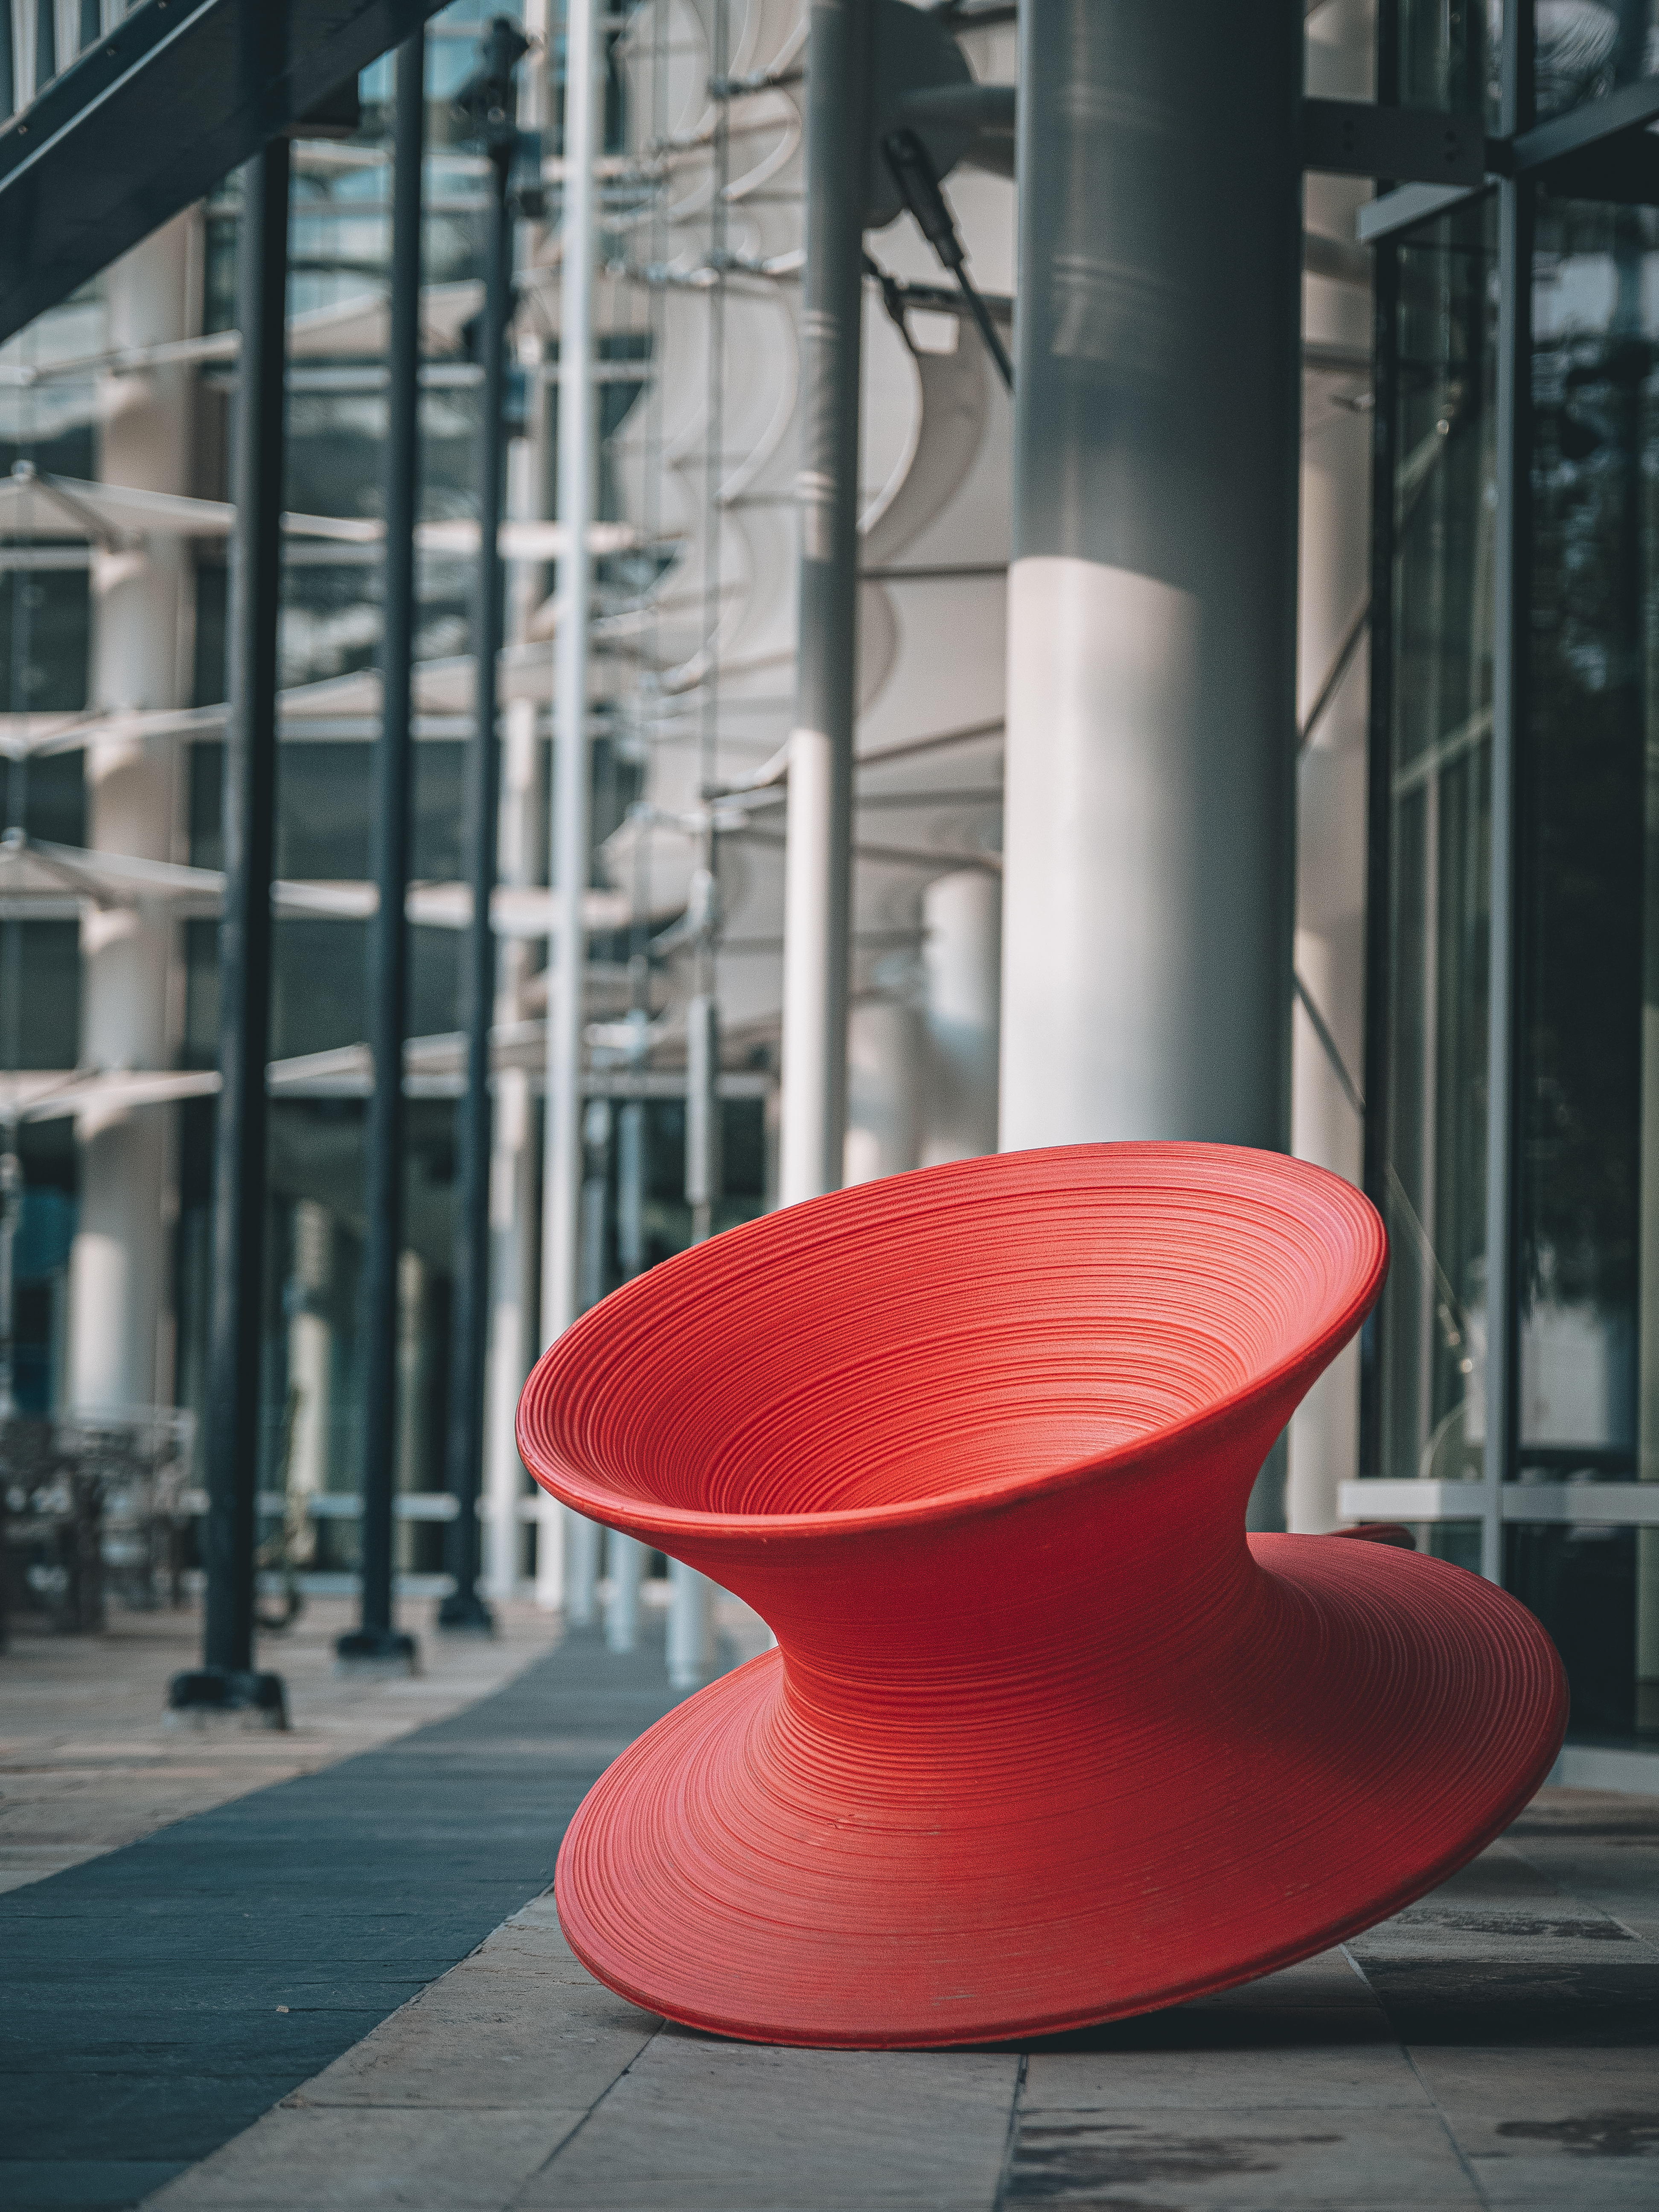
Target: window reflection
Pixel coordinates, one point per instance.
(1433, 1332)
(1589, 1095)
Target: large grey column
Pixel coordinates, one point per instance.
(1148, 892)
(817, 863)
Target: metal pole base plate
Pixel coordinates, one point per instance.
(258, 1701)
(466, 1611)
(378, 1647)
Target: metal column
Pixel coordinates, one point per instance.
(1150, 850)
(464, 1608)
(1379, 766)
(818, 862)
(388, 977)
(1512, 595)
(227, 1676)
(571, 827)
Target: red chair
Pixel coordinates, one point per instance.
(1046, 1741)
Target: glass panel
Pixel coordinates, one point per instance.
(1589, 1134)
(1448, 54)
(1585, 49)
(1581, 1582)
(1433, 1322)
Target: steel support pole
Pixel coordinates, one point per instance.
(227, 1677)
(817, 859)
(1379, 766)
(1512, 601)
(376, 1639)
(464, 1608)
(571, 827)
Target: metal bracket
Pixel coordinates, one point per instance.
(1412, 145)
(1605, 150)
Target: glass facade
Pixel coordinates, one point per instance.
(1440, 789)
(1449, 53)
(1569, 1330)
(339, 252)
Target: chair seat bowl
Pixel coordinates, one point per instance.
(1046, 1740)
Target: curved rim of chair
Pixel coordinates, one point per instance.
(600, 1500)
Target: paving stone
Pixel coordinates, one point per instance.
(1565, 2185)
(1501, 1910)
(1284, 2161)
(701, 2125)
(538, 2031)
(90, 1760)
(88, 2185)
(406, 2068)
(1250, 2049)
(157, 2000)
(330, 2161)
(1585, 2116)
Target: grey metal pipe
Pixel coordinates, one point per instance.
(388, 960)
(464, 1608)
(571, 830)
(1511, 676)
(571, 827)
(818, 861)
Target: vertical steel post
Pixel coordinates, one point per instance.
(571, 823)
(388, 960)
(1512, 600)
(464, 1607)
(817, 859)
(1379, 760)
(571, 826)
(227, 1677)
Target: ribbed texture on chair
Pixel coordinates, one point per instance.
(1046, 1739)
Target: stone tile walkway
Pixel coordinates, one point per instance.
(1492, 2047)
(365, 1965)
(1496, 2046)
(89, 1760)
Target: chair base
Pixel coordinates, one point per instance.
(1022, 1867)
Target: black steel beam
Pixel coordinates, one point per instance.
(464, 1608)
(227, 1676)
(176, 96)
(376, 1639)
(1633, 107)
(1624, 168)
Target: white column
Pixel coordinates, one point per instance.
(815, 922)
(690, 1626)
(961, 963)
(512, 1180)
(571, 830)
(625, 1560)
(884, 1091)
(817, 857)
(1330, 918)
(142, 615)
(310, 1348)
(1330, 935)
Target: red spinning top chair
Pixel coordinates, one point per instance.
(1046, 1739)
